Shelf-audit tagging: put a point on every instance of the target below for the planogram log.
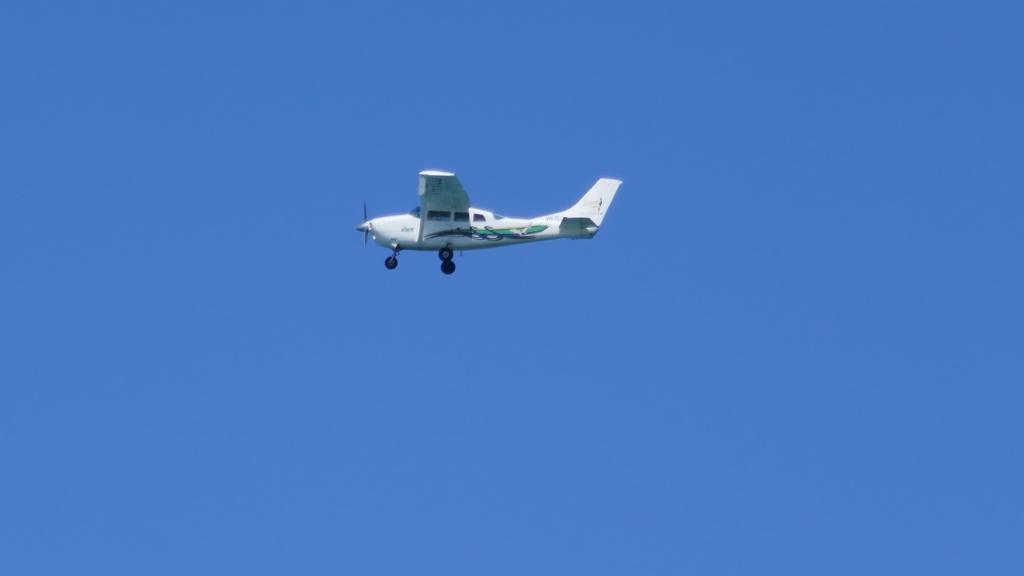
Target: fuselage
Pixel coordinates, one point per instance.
(470, 230)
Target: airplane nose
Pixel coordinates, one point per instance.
(365, 226)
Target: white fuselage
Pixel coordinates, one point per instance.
(466, 231)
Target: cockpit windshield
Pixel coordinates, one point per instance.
(415, 212)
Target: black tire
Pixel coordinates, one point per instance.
(447, 266)
(445, 254)
(391, 262)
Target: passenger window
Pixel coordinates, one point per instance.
(439, 215)
(479, 218)
(462, 216)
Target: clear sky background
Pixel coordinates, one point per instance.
(794, 348)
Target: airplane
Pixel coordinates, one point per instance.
(444, 221)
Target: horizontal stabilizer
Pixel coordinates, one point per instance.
(584, 227)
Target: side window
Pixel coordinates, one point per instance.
(439, 215)
(479, 218)
(462, 216)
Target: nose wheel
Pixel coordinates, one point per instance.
(391, 262)
(447, 266)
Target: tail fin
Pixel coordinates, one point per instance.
(596, 201)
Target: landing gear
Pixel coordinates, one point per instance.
(391, 262)
(447, 266)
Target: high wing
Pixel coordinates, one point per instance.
(441, 191)
(443, 203)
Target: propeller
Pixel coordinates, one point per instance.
(365, 226)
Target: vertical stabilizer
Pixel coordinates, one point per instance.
(596, 201)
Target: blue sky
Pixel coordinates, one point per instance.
(794, 348)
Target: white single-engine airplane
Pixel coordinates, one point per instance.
(444, 221)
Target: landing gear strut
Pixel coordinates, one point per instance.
(391, 262)
(447, 266)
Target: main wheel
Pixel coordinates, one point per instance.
(445, 254)
(391, 263)
(447, 266)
